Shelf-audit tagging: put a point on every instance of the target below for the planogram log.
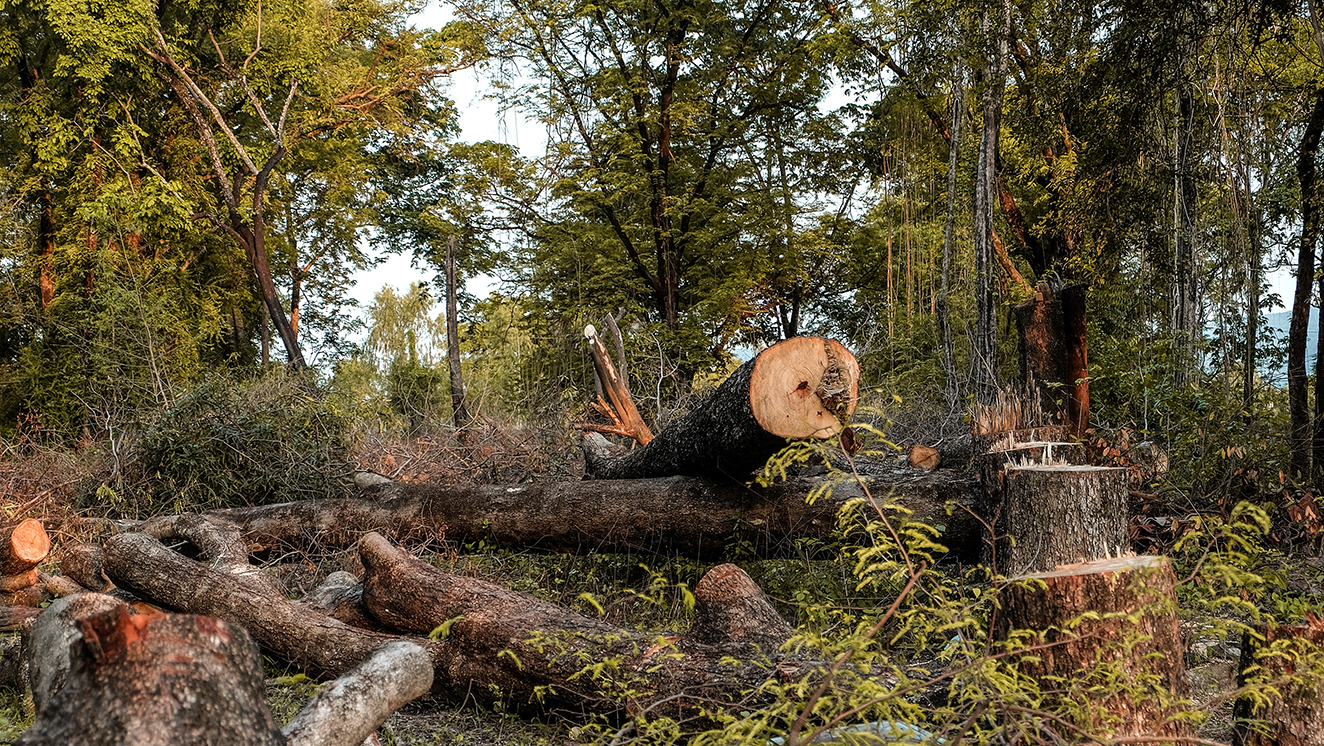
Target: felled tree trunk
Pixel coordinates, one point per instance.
(1297, 718)
(222, 584)
(161, 679)
(672, 516)
(505, 644)
(1055, 514)
(1140, 644)
(82, 563)
(801, 388)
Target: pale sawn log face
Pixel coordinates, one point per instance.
(804, 387)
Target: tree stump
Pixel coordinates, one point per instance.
(1297, 719)
(1049, 515)
(1136, 598)
(800, 388)
(161, 679)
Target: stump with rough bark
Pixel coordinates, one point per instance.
(161, 679)
(1137, 641)
(1296, 717)
(1049, 515)
(801, 388)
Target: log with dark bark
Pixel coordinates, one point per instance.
(801, 388)
(160, 679)
(672, 516)
(340, 596)
(82, 563)
(224, 585)
(1136, 645)
(1049, 515)
(527, 651)
(1297, 717)
(22, 547)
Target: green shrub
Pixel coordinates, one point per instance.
(233, 443)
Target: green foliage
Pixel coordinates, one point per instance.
(229, 444)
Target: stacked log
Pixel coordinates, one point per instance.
(22, 547)
(497, 644)
(1135, 643)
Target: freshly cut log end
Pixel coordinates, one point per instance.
(923, 457)
(804, 387)
(1139, 638)
(22, 547)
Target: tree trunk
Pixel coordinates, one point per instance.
(1297, 394)
(805, 387)
(100, 675)
(160, 679)
(459, 410)
(82, 563)
(1297, 718)
(1185, 321)
(22, 547)
(1057, 514)
(224, 585)
(500, 643)
(673, 516)
(1054, 357)
(1138, 641)
(984, 350)
(953, 388)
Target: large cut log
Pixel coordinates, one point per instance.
(222, 584)
(47, 645)
(160, 679)
(1133, 644)
(526, 651)
(1288, 657)
(671, 516)
(801, 388)
(1055, 514)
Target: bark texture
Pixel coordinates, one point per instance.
(1298, 718)
(47, 645)
(162, 679)
(672, 516)
(1057, 515)
(1054, 355)
(800, 388)
(350, 709)
(82, 563)
(1136, 597)
(504, 644)
(222, 584)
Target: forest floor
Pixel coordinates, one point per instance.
(52, 485)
